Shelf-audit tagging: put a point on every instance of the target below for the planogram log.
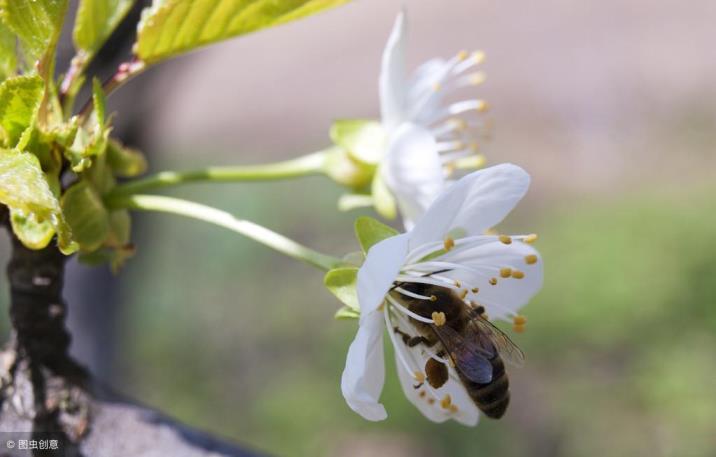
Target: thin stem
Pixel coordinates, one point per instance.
(310, 164)
(124, 73)
(223, 219)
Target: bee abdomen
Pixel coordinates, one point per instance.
(494, 397)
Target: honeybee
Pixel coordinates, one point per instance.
(474, 346)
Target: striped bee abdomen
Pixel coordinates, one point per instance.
(494, 397)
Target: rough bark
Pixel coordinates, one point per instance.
(44, 394)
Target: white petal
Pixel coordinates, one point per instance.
(467, 412)
(378, 272)
(392, 80)
(364, 374)
(413, 171)
(484, 262)
(473, 204)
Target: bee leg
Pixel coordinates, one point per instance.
(412, 341)
(406, 338)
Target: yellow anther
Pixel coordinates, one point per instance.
(517, 274)
(493, 281)
(453, 409)
(475, 290)
(477, 78)
(530, 259)
(458, 284)
(448, 243)
(482, 106)
(419, 376)
(446, 401)
(438, 318)
(531, 238)
(518, 328)
(462, 55)
(433, 298)
(519, 320)
(437, 86)
(479, 56)
(463, 294)
(449, 169)
(458, 124)
(505, 272)
(505, 239)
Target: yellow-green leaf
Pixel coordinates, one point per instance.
(171, 27)
(20, 98)
(24, 188)
(8, 57)
(36, 22)
(32, 233)
(95, 22)
(86, 214)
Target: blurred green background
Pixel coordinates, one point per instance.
(611, 108)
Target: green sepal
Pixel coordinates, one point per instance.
(363, 139)
(346, 313)
(347, 202)
(383, 200)
(370, 231)
(342, 168)
(341, 282)
(125, 162)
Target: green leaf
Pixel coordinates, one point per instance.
(24, 188)
(347, 313)
(8, 56)
(364, 139)
(171, 27)
(36, 22)
(95, 22)
(125, 162)
(383, 199)
(342, 283)
(86, 214)
(370, 231)
(32, 233)
(20, 98)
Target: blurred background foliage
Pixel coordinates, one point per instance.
(611, 107)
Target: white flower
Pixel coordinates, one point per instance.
(427, 137)
(498, 272)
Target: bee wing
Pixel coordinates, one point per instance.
(483, 330)
(470, 359)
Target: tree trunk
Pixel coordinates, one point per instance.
(48, 400)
